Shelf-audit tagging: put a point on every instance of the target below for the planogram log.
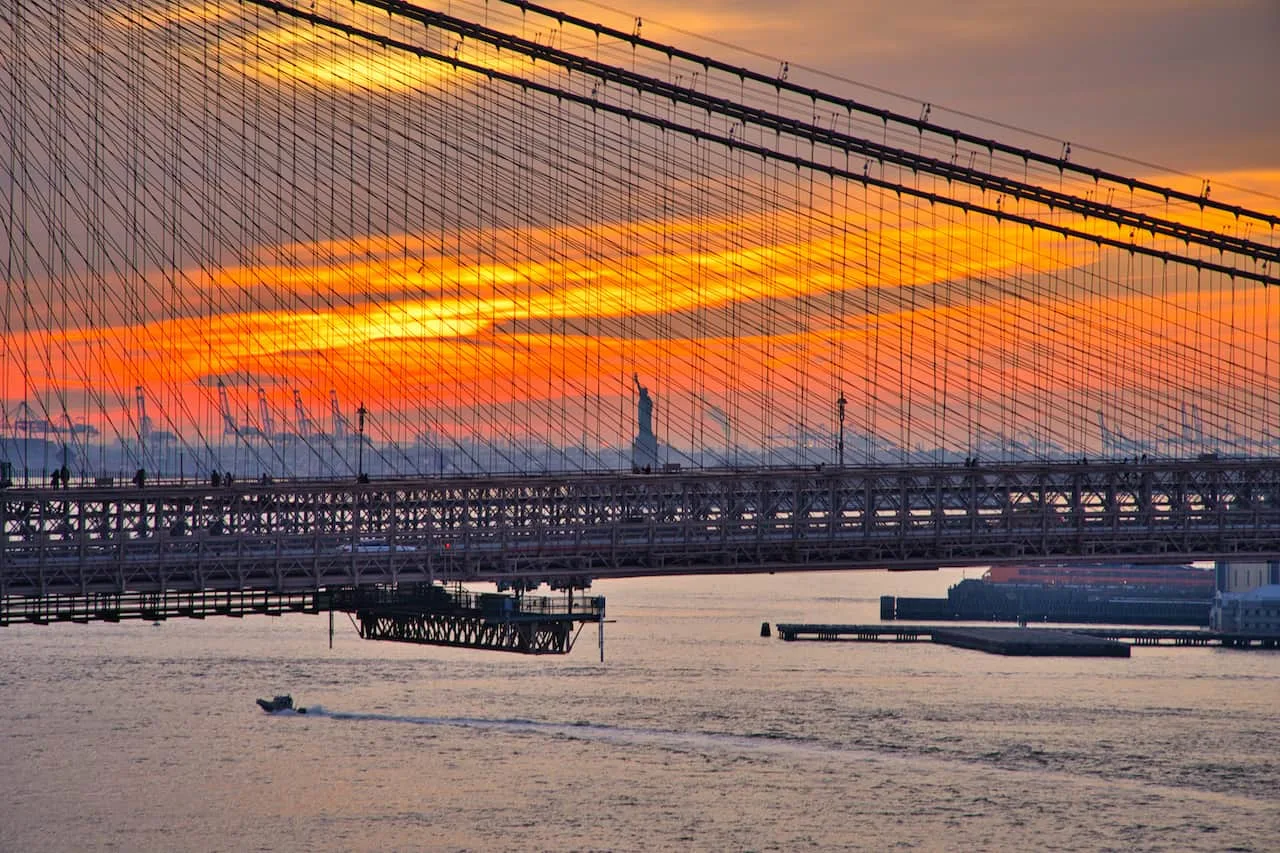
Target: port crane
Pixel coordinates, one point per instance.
(1225, 438)
(229, 426)
(267, 419)
(151, 441)
(26, 421)
(79, 428)
(312, 434)
(247, 431)
(341, 426)
(302, 420)
(268, 424)
(1116, 442)
(147, 432)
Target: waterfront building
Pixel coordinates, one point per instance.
(1256, 612)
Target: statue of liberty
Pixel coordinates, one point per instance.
(644, 449)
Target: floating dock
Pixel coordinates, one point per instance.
(1058, 642)
(1033, 642)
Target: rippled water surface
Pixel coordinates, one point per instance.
(694, 734)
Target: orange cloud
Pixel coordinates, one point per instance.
(721, 318)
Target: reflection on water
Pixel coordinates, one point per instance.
(695, 733)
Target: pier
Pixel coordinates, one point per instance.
(1070, 642)
(428, 614)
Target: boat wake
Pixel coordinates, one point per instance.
(621, 735)
(769, 743)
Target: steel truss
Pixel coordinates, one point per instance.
(472, 632)
(566, 530)
(431, 615)
(152, 606)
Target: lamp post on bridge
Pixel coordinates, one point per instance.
(360, 413)
(840, 404)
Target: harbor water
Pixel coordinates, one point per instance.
(694, 734)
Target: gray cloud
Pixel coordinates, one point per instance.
(1186, 84)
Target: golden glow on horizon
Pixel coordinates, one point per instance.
(974, 345)
(293, 50)
(447, 357)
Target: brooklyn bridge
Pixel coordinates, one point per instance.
(308, 298)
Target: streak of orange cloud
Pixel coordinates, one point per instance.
(395, 322)
(448, 354)
(289, 49)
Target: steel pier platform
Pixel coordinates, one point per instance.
(152, 606)
(429, 614)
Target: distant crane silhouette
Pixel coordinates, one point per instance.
(341, 426)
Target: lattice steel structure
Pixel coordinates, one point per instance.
(153, 606)
(432, 615)
(568, 531)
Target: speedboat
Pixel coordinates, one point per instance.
(279, 703)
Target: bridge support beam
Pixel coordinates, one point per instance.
(470, 632)
(432, 615)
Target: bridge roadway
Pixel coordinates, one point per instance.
(569, 529)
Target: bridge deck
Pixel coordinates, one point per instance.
(569, 529)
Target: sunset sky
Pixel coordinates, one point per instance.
(438, 248)
(1188, 84)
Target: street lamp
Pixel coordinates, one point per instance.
(360, 413)
(840, 404)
